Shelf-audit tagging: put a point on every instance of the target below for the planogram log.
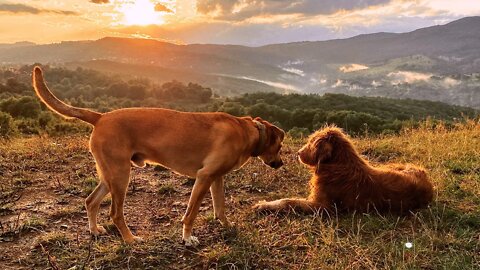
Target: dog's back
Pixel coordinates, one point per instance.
(396, 188)
(400, 188)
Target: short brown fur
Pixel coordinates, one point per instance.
(201, 145)
(343, 181)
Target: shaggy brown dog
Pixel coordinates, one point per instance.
(342, 180)
(202, 145)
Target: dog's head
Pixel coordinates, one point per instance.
(322, 146)
(273, 137)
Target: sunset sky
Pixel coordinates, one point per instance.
(246, 22)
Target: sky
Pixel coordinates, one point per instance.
(244, 22)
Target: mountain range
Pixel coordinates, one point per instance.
(440, 63)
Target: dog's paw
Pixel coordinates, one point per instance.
(264, 206)
(133, 240)
(137, 239)
(99, 230)
(191, 241)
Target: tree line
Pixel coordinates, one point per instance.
(22, 113)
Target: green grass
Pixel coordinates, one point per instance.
(446, 235)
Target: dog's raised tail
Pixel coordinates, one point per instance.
(57, 105)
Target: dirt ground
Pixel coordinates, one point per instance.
(43, 223)
(44, 185)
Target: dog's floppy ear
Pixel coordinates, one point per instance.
(278, 132)
(272, 131)
(323, 153)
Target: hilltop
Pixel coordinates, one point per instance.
(45, 182)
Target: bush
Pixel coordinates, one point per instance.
(355, 122)
(298, 132)
(28, 107)
(44, 119)
(7, 126)
(233, 108)
(28, 126)
(63, 127)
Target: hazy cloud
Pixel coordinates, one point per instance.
(226, 33)
(20, 8)
(100, 1)
(238, 10)
(159, 7)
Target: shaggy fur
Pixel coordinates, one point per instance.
(344, 181)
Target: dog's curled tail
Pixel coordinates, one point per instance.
(57, 105)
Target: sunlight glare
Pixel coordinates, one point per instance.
(140, 12)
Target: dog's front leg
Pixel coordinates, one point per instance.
(218, 196)
(202, 183)
(296, 204)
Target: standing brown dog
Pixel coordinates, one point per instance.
(342, 179)
(201, 145)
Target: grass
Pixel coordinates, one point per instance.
(444, 236)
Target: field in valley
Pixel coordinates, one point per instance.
(43, 225)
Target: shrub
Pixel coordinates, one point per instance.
(62, 127)
(7, 126)
(28, 107)
(28, 126)
(44, 119)
(298, 132)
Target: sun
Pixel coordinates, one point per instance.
(140, 12)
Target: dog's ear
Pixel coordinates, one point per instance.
(273, 132)
(278, 132)
(323, 153)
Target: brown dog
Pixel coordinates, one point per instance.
(343, 180)
(201, 145)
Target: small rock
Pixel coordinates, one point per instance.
(204, 208)
(176, 203)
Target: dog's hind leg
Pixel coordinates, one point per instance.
(218, 196)
(92, 204)
(115, 173)
(202, 183)
(118, 188)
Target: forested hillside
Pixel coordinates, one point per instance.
(22, 113)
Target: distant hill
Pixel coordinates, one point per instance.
(222, 85)
(439, 63)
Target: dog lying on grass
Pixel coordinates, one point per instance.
(202, 145)
(343, 181)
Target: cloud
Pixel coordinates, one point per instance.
(20, 8)
(239, 10)
(159, 7)
(399, 77)
(352, 68)
(227, 33)
(100, 1)
(396, 16)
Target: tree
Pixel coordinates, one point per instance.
(137, 91)
(233, 108)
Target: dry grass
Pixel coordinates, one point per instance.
(43, 183)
